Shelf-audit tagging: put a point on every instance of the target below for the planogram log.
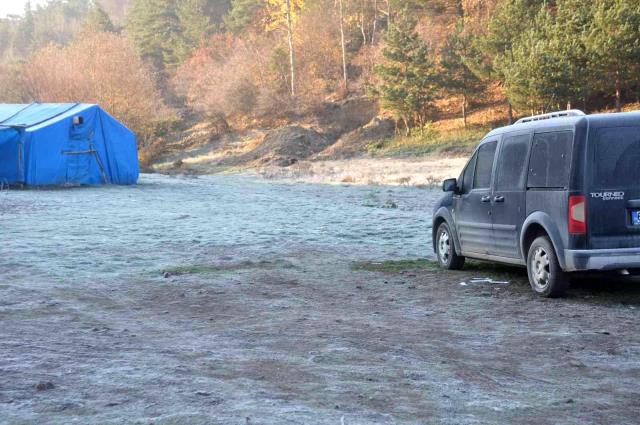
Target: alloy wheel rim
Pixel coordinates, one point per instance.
(444, 246)
(540, 268)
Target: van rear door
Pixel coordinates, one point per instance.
(613, 205)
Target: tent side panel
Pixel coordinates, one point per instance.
(44, 163)
(121, 150)
(10, 156)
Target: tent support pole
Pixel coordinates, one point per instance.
(99, 161)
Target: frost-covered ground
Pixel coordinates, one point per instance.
(109, 233)
(386, 171)
(231, 300)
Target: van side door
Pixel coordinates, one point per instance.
(473, 209)
(509, 194)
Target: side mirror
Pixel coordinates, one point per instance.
(450, 185)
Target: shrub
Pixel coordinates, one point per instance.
(101, 68)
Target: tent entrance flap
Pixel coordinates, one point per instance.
(79, 163)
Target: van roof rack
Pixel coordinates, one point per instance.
(558, 114)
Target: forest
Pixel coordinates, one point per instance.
(156, 63)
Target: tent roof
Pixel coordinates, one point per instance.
(29, 115)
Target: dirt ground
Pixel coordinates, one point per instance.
(313, 340)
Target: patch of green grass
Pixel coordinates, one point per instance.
(456, 141)
(390, 266)
(482, 268)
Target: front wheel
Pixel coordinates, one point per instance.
(446, 251)
(546, 277)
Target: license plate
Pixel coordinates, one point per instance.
(635, 217)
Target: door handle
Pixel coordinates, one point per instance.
(485, 198)
(499, 199)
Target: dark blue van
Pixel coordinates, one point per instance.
(557, 193)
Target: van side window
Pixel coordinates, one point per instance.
(484, 165)
(512, 163)
(467, 177)
(550, 160)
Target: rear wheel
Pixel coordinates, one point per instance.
(546, 277)
(446, 250)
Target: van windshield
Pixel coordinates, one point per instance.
(617, 155)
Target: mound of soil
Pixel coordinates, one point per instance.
(355, 143)
(347, 115)
(288, 145)
(211, 145)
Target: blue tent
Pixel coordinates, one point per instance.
(65, 144)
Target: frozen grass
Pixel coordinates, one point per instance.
(371, 171)
(458, 141)
(294, 334)
(198, 269)
(391, 266)
(203, 269)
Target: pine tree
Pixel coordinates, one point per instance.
(98, 20)
(524, 68)
(25, 34)
(510, 20)
(242, 14)
(155, 29)
(569, 42)
(195, 24)
(548, 66)
(614, 43)
(408, 76)
(5, 38)
(458, 77)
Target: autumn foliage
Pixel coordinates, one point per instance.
(101, 68)
(249, 76)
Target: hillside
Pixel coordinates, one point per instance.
(350, 141)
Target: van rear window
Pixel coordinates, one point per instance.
(550, 160)
(617, 157)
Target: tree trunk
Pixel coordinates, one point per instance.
(292, 56)
(464, 110)
(363, 23)
(375, 21)
(618, 94)
(510, 113)
(388, 14)
(345, 77)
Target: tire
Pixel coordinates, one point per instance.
(446, 250)
(546, 277)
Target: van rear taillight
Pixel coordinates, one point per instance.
(577, 215)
